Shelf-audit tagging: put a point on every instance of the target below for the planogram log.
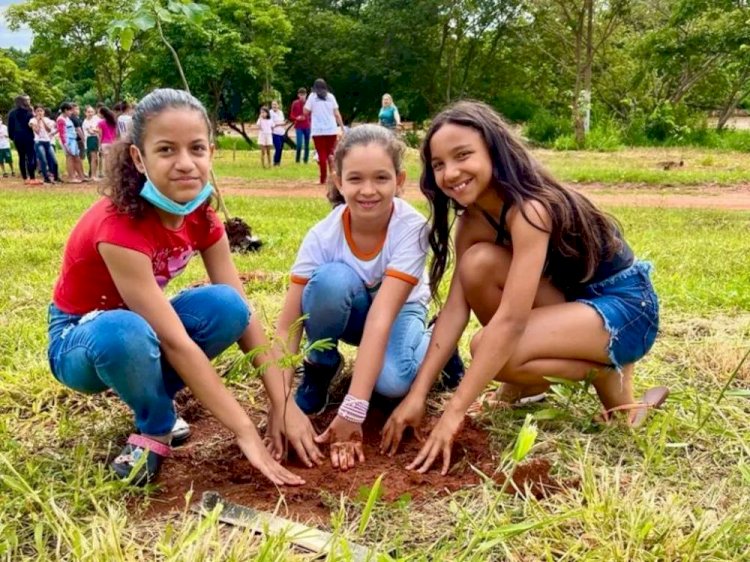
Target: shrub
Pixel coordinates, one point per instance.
(545, 127)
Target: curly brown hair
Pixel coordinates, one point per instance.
(124, 181)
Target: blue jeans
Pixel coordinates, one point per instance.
(47, 160)
(303, 135)
(337, 301)
(629, 307)
(278, 146)
(118, 349)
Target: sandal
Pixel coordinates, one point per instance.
(180, 431)
(133, 452)
(653, 398)
(490, 401)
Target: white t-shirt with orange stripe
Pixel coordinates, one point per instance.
(402, 253)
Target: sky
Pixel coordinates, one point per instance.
(20, 39)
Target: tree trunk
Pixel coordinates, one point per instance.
(580, 134)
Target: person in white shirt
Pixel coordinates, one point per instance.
(6, 157)
(44, 131)
(323, 109)
(277, 116)
(360, 277)
(265, 136)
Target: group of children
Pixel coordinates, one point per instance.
(556, 288)
(35, 135)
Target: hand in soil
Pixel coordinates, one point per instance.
(439, 442)
(298, 430)
(345, 438)
(253, 449)
(408, 413)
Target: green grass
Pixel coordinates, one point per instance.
(636, 165)
(660, 493)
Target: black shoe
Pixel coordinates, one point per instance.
(312, 392)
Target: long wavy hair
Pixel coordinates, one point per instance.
(362, 136)
(579, 230)
(124, 181)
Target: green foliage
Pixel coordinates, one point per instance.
(545, 127)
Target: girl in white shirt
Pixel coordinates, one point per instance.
(360, 277)
(277, 116)
(323, 109)
(44, 131)
(265, 136)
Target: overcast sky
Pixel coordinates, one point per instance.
(20, 39)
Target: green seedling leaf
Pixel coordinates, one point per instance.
(375, 493)
(558, 380)
(525, 440)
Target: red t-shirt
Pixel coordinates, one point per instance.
(85, 283)
(298, 110)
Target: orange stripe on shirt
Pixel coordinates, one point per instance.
(298, 280)
(403, 276)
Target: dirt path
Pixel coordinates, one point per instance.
(735, 197)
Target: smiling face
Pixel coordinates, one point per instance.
(275, 105)
(369, 182)
(461, 164)
(176, 153)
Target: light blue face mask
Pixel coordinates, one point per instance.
(152, 194)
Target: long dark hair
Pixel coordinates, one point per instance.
(124, 181)
(108, 116)
(364, 135)
(320, 88)
(579, 230)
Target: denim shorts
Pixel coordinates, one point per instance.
(629, 307)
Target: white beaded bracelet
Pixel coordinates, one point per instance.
(354, 409)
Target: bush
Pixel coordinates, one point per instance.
(411, 139)
(545, 127)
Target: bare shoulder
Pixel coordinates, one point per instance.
(532, 212)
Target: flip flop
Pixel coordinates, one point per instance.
(489, 400)
(653, 398)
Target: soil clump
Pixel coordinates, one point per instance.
(211, 460)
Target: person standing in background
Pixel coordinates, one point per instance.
(91, 133)
(5, 155)
(277, 116)
(388, 116)
(44, 131)
(325, 119)
(301, 124)
(23, 137)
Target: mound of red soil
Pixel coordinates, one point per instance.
(212, 461)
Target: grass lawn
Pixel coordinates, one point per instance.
(673, 490)
(636, 165)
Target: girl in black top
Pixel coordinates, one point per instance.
(548, 275)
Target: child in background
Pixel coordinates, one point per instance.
(360, 277)
(549, 276)
(110, 323)
(323, 110)
(6, 157)
(91, 133)
(107, 126)
(279, 134)
(69, 140)
(124, 119)
(44, 133)
(265, 136)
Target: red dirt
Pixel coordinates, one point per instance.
(211, 461)
(735, 197)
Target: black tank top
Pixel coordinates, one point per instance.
(565, 272)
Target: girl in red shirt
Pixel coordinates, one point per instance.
(111, 326)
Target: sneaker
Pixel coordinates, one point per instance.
(312, 392)
(180, 431)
